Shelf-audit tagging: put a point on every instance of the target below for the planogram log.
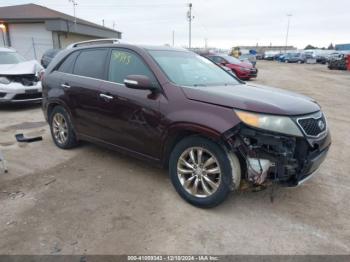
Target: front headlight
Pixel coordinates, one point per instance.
(279, 124)
(4, 80)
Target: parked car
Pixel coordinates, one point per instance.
(269, 56)
(278, 57)
(248, 58)
(243, 70)
(338, 62)
(292, 58)
(48, 56)
(19, 79)
(321, 59)
(179, 110)
(227, 69)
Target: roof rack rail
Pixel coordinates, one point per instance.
(94, 42)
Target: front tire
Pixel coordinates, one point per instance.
(62, 129)
(202, 171)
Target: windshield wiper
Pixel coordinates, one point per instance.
(199, 85)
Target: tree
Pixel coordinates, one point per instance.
(310, 47)
(330, 47)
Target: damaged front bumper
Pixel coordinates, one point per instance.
(19, 93)
(284, 159)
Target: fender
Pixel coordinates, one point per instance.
(60, 102)
(176, 131)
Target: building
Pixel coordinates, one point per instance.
(342, 47)
(268, 48)
(32, 29)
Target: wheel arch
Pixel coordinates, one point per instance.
(54, 103)
(182, 130)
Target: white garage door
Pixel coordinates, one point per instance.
(30, 40)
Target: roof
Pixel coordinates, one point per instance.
(37, 12)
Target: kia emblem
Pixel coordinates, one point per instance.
(321, 124)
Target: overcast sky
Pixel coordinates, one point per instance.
(225, 23)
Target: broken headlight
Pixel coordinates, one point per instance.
(279, 124)
(4, 80)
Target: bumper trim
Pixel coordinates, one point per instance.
(302, 181)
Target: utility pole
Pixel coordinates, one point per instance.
(173, 37)
(190, 18)
(74, 2)
(103, 22)
(289, 16)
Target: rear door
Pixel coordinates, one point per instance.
(83, 89)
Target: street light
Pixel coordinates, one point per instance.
(190, 18)
(289, 16)
(3, 30)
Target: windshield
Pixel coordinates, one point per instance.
(189, 69)
(231, 59)
(10, 58)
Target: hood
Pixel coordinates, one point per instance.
(24, 68)
(256, 98)
(246, 64)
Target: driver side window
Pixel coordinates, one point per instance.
(124, 63)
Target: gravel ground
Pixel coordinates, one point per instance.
(91, 200)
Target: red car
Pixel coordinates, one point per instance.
(243, 70)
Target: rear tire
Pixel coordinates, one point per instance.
(62, 131)
(205, 178)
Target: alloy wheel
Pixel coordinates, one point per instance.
(199, 172)
(60, 128)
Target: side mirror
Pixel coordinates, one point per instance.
(141, 82)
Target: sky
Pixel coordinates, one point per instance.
(224, 23)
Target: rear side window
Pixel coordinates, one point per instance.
(91, 63)
(68, 63)
(124, 63)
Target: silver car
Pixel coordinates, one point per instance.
(19, 79)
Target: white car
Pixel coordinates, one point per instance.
(19, 79)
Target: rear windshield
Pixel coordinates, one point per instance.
(190, 69)
(10, 58)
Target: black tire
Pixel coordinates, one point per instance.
(71, 140)
(222, 158)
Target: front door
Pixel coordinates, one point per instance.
(131, 117)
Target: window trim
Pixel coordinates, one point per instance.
(63, 60)
(159, 87)
(92, 49)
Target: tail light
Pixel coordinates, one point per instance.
(41, 74)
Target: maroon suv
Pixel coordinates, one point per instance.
(182, 111)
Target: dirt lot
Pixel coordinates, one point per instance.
(94, 201)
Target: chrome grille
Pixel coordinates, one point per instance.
(313, 125)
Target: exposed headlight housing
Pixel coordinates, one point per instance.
(279, 124)
(4, 80)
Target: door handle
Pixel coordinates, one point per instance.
(106, 96)
(65, 85)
